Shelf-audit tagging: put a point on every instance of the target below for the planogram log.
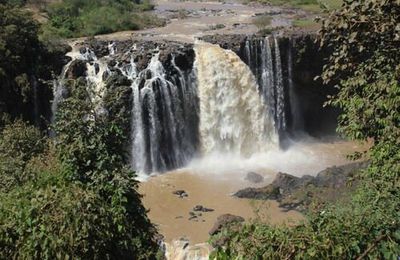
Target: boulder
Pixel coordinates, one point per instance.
(264, 193)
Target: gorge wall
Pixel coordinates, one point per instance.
(183, 100)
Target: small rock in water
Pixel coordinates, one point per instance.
(202, 209)
(193, 218)
(254, 177)
(181, 193)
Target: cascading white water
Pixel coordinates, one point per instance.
(233, 118)
(239, 111)
(161, 126)
(280, 92)
(264, 59)
(95, 69)
(267, 76)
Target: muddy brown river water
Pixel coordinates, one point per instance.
(210, 182)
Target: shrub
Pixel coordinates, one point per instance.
(19, 143)
(54, 218)
(81, 201)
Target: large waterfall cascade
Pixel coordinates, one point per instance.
(219, 105)
(233, 117)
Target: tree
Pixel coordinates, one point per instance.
(90, 145)
(365, 38)
(81, 201)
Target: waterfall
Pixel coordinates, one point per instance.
(233, 118)
(267, 76)
(95, 69)
(264, 59)
(162, 120)
(280, 92)
(59, 90)
(218, 105)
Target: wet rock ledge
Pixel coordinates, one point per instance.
(294, 193)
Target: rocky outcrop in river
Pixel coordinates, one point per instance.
(298, 192)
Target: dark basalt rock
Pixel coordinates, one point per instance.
(232, 42)
(180, 193)
(202, 209)
(295, 193)
(76, 69)
(224, 221)
(265, 193)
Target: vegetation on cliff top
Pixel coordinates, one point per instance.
(364, 36)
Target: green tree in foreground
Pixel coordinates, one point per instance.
(81, 201)
(364, 36)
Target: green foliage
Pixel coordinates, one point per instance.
(19, 143)
(262, 21)
(13, 2)
(80, 201)
(51, 218)
(75, 18)
(88, 141)
(365, 39)
(368, 224)
(305, 23)
(89, 145)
